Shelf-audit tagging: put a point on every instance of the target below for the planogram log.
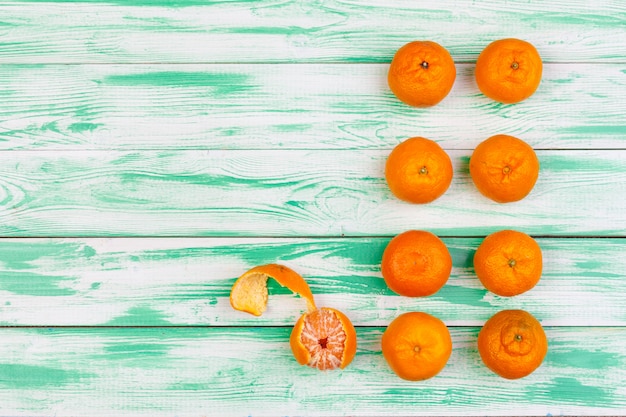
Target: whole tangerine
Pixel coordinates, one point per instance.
(512, 344)
(508, 70)
(416, 263)
(504, 168)
(421, 73)
(418, 171)
(508, 263)
(416, 346)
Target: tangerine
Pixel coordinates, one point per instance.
(324, 339)
(416, 346)
(421, 73)
(416, 263)
(418, 171)
(508, 263)
(508, 70)
(512, 344)
(504, 168)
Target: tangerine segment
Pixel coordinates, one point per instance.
(508, 70)
(418, 171)
(416, 346)
(508, 263)
(512, 344)
(416, 263)
(324, 339)
(421, 73)
(504, 168)
(249, 292)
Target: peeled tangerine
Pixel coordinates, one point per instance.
(323, 338)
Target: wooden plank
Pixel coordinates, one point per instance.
(291, 106)
(289, 193)
(166, 282)
(247, 371)
(295, 31)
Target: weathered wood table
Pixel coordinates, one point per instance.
(154, 150)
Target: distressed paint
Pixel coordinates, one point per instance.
(292, 106)
(289, 193)
(178, 123)
(196, 371)
(190, 31)
(166, 282)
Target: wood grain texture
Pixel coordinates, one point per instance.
(292, 106)
(153, 150)
(185, 282)
(289, 193)
(249, 371)
(300, 31)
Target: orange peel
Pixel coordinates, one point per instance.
(249, 293)
(322, 338)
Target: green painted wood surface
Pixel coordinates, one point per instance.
(153, 150)
(251, 371)
(290, 193)
(292, 106)
(178, 282)
(296, 31)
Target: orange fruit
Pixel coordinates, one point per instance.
(249, 293)
(504, 168)
(421, 73)
(508, 262)
(508, 70)
(416, 263)
(323, 339)
(416, 346)
(512, 344)
(418, 171)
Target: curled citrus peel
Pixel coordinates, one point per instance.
(323, 338)
(249, 293)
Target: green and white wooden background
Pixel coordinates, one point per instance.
(153, 150)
